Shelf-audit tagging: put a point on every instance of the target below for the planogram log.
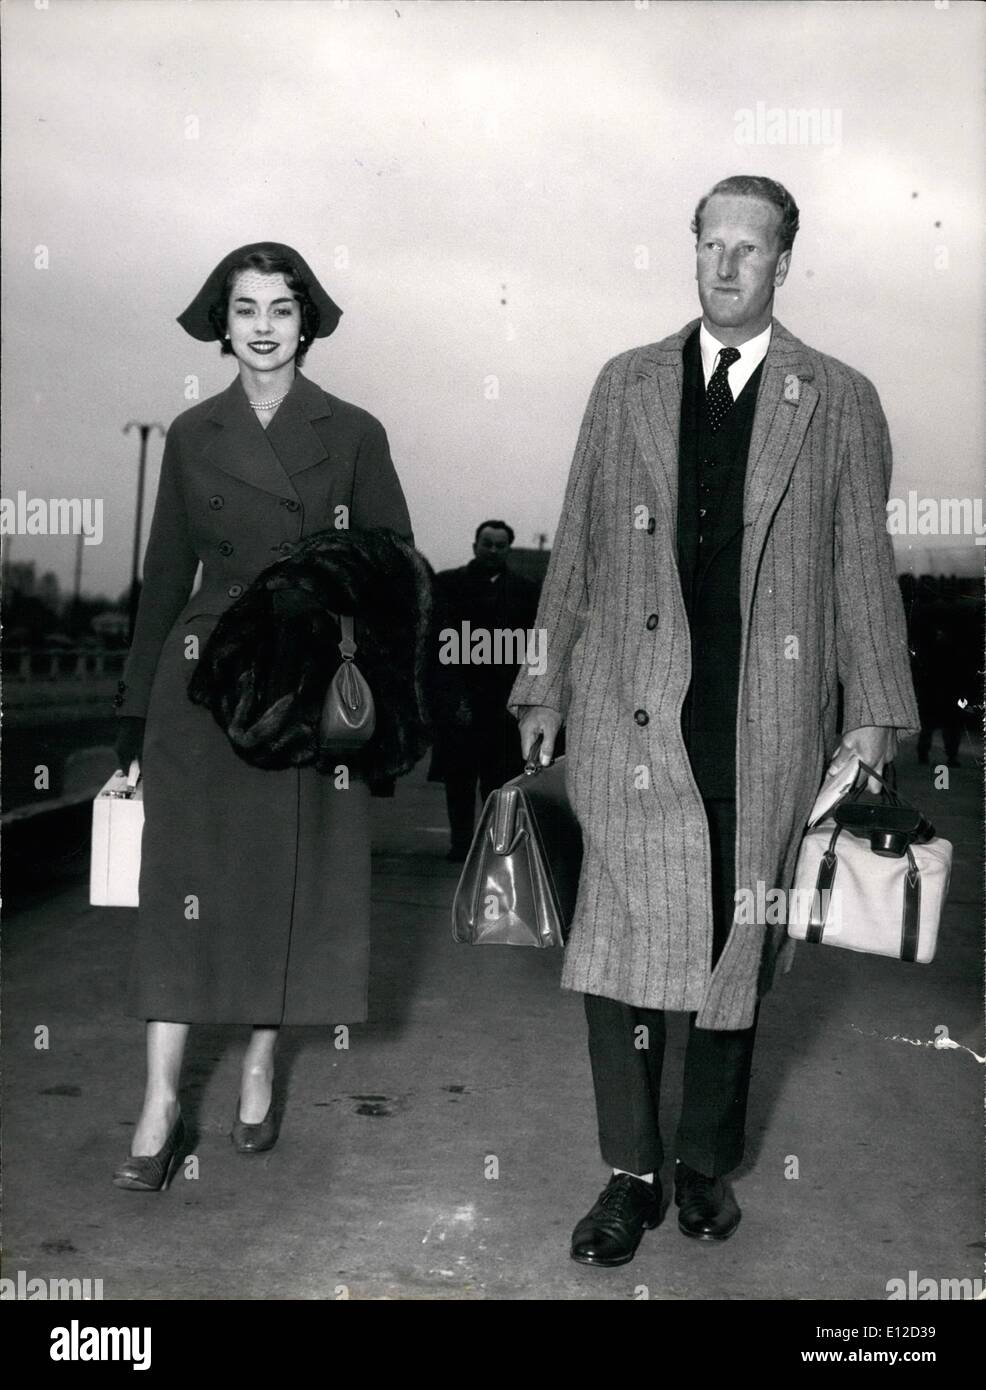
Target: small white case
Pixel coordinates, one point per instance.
(117, 827)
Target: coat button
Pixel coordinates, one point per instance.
(641, 716)
(651, 526)
(118, 700)
(290, 504)
(235, 590)
(121, 686)
(225, 548)
(652, 622)
(215, 502)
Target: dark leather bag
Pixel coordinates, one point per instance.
(520, 880)
(348, 714)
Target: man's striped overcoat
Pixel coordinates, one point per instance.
(820, 606)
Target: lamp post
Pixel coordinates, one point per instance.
(142, 468)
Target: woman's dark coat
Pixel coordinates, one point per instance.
(254, 885)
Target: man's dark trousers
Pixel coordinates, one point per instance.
(626, 1077)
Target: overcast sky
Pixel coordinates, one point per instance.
(472, 183)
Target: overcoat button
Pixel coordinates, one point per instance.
(121, 686)
(290, 504)
(235, 590)
(641, 716)
(652, 622)
(215, 502)
(118, 700)
(651, 526)
(225, 548)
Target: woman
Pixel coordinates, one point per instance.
(254, 884)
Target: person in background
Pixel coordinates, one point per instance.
(477, 743)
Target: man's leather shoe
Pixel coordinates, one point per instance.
(610, 1233)
(707, 1210)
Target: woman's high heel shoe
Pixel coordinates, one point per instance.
(255, 1139)
(153, 1172)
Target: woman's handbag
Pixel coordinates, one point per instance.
(117, 826)
(873, 878)
(348, 716)
(521, 876)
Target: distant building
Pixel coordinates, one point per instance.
(20, 578)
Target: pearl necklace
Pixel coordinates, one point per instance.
(269, 405)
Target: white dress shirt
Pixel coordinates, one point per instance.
(751, 354)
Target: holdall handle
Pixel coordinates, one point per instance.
(133, 776)
(888, 788)
(924, 830)
(533, 763)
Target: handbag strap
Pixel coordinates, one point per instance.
(347, 642)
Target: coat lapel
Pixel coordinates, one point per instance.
(292, 433)
(785, 405)
(267, 459)
(655, 384)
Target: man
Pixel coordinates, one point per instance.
(721, 565)
(476, 740)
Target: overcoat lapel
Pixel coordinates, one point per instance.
(292, 433)
(267, 459)
(656, 384)
(785, 405)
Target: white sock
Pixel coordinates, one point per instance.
(644, 1177)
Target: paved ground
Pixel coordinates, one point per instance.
(382, 1182)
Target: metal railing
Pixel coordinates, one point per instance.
(62, 664)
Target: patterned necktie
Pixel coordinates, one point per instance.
(718, 397)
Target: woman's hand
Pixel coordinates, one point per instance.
(129, 740)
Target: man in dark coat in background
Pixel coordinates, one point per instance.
(476, 738)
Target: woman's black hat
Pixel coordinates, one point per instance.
(195, 319)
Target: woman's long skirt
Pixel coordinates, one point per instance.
(254, 885)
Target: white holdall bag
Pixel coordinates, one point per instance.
(873, 878)
(117, 826)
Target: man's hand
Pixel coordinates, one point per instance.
(873, 744)
(539, 719)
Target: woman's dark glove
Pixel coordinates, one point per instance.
(129, 740)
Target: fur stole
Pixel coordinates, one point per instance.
(266, 667)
